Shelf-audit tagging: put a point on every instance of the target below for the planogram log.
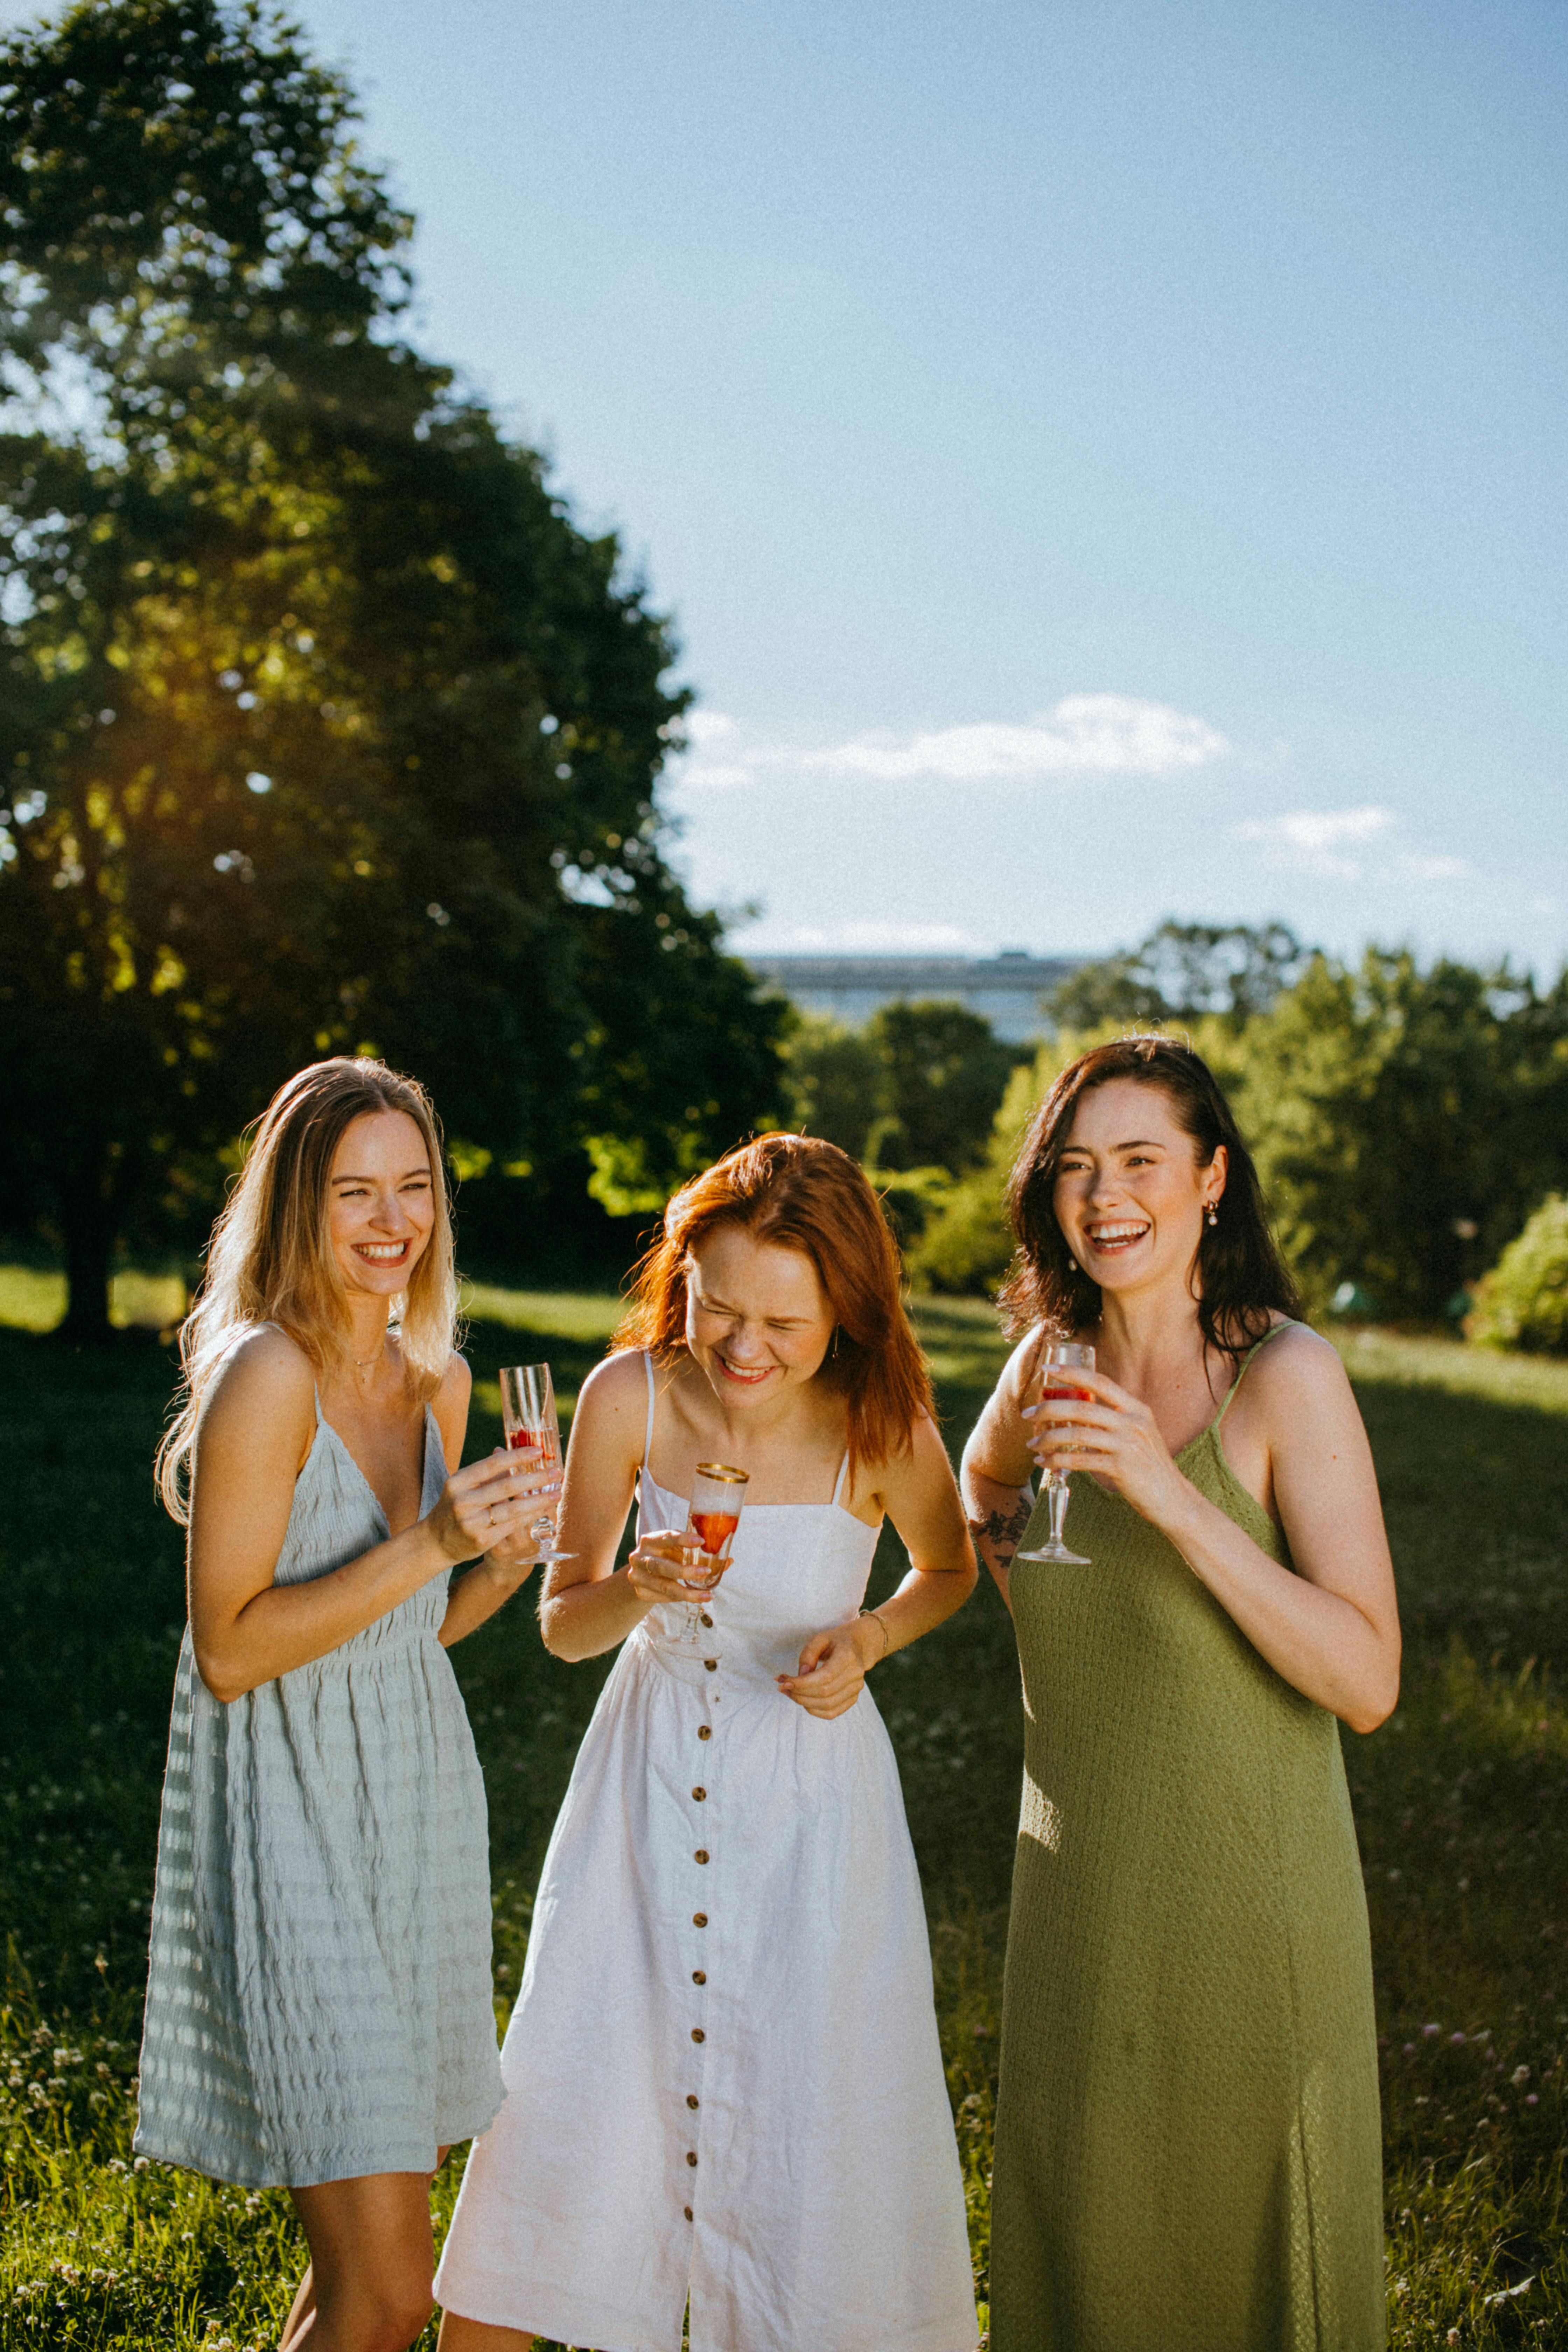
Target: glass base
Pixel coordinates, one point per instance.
(1059, 1553)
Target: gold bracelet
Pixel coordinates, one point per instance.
(887, 1639)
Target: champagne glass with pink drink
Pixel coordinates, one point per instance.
(1060, 1360)
(530, 1419)
(712, 1516)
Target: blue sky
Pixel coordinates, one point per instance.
(1103, 462)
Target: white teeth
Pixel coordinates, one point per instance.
(381, 1249)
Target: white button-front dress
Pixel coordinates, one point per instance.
(723, 2083)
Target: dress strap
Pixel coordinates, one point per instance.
(843, 1474)
(652, 1401)
(1256, 1349)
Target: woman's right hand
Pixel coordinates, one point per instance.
(489, 1501)
(654, 1569)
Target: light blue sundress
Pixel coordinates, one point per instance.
(318, 2001)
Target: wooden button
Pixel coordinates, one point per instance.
(687, 2210)
(698, 2034)
(699, 1918)
(701, 1854)
(699, 1794)
(691, 2098)
(705, 1731)
(698, 1975)
(711, 1665)
(708, 1620)
(691, 2152)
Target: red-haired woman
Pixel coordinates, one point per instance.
(724, 2090)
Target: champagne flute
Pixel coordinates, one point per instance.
(712, 1516)
(530, 1419)
(1061, 1357)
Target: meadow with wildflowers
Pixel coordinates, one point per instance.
(1461, 1802)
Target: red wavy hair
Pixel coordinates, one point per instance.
(798, 1193)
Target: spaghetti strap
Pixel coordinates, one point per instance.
(652, 1401)
(1256, 1349)
(838, 1482)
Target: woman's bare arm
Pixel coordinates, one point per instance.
(919, 1495)
(257, 1428)
(587, 1605)
(997, 1473)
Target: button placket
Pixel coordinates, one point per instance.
(698, 2031)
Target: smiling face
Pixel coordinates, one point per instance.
(381, 1202)
(1129, 1194)
(757, 1318)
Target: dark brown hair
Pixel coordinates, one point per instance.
(801, 1193)
(1239, 1280)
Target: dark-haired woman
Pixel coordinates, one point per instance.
(1188, 2143)
(725, 2099)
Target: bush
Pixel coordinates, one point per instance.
(1523, 1301)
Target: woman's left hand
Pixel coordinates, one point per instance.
(1115, 1437)
(831, 1673)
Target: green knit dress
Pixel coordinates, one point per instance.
(1188, 2138)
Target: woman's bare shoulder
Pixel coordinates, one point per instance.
(456, 1383)
(263, 1392)
(612, 1401)
(264, 1365)
(1297, 1367)
(923, 1464)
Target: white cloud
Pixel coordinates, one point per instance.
(1084, 734)
(708, 732)
(704, 726)
(1316, 832)
(1324, 841)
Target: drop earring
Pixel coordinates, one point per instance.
(1214, 1217)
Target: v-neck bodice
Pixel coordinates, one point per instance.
(431, 1454)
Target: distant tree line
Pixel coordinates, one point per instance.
(1407, 1120)
(323, 727)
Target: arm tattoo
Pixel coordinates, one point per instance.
(1003, 1531)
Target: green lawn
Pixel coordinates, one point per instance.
(1460, 1798)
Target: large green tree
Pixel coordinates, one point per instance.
(1404, 1120)
(1182, 973)
(322, 725)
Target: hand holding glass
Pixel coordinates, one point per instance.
(1060, 1358)
(714, 1514)
(530, 1419)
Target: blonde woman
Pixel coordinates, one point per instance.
(319, 1999)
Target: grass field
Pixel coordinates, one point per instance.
(1460, 1800)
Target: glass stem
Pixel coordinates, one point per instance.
(1058, 1490)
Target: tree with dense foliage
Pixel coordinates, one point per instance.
(1182, 973)
(1405, 1122)
(1523, 1301)
(918, 1087)
(323, 725)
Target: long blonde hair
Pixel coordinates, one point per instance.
(270, 1259)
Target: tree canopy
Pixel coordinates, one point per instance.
(1406, 1120)
(324, 728)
